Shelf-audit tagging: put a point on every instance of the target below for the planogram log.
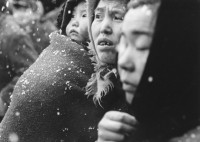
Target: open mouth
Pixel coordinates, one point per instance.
(105, 42)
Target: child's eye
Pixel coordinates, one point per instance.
(84, 15)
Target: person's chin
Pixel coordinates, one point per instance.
(130, 90)
(129, 97)
(107, 58)
(76, 38)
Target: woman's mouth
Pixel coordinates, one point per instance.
(105, 42)
(128, 87)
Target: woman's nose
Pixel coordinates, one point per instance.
(106, 26)
(126, 61)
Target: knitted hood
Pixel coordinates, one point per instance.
(169, 86)
(66, 14)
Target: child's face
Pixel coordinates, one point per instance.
(77, 29)
(134, 47)
(106, 28)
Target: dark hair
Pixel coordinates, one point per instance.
(169, 105)
(65, 15)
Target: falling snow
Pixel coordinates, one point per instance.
(13, 137)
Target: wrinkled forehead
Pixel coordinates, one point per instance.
(112, 4)
(117, 1)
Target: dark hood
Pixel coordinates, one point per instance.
(66, 13)
(173, 63)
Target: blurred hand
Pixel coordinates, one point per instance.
(116, 127)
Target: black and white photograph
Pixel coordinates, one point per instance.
(99, 70)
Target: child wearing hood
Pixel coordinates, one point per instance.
(50, 94)
(49, 101)
(158, 65)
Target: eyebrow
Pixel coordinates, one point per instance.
(148, 33)
(118, 10)
(100, 9)
(84, 10)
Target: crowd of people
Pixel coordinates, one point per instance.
(100, 70)
(24, 33)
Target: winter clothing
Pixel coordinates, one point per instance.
(48, 93)
(191, 136)
(168, 105)
(105, 78)
(17, 53)
(66, 13)
(20, 45)
(48, 103)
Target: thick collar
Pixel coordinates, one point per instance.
(101, 82)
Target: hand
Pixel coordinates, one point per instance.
(116, 126)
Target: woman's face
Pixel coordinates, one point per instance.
(106, 28)
(77, 28)
(134, 46)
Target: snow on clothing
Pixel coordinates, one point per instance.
(20, 45)
(16, 50)
(49, 102)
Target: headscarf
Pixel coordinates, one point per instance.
(168, 95)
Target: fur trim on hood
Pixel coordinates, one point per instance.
(103, 80)
(105, 77)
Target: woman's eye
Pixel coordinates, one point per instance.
(144, 48)
(98, 16)
(118, 18)
(143, 43)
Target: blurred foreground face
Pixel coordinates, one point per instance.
(77, 29)
(134, 46)
(106, 28)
